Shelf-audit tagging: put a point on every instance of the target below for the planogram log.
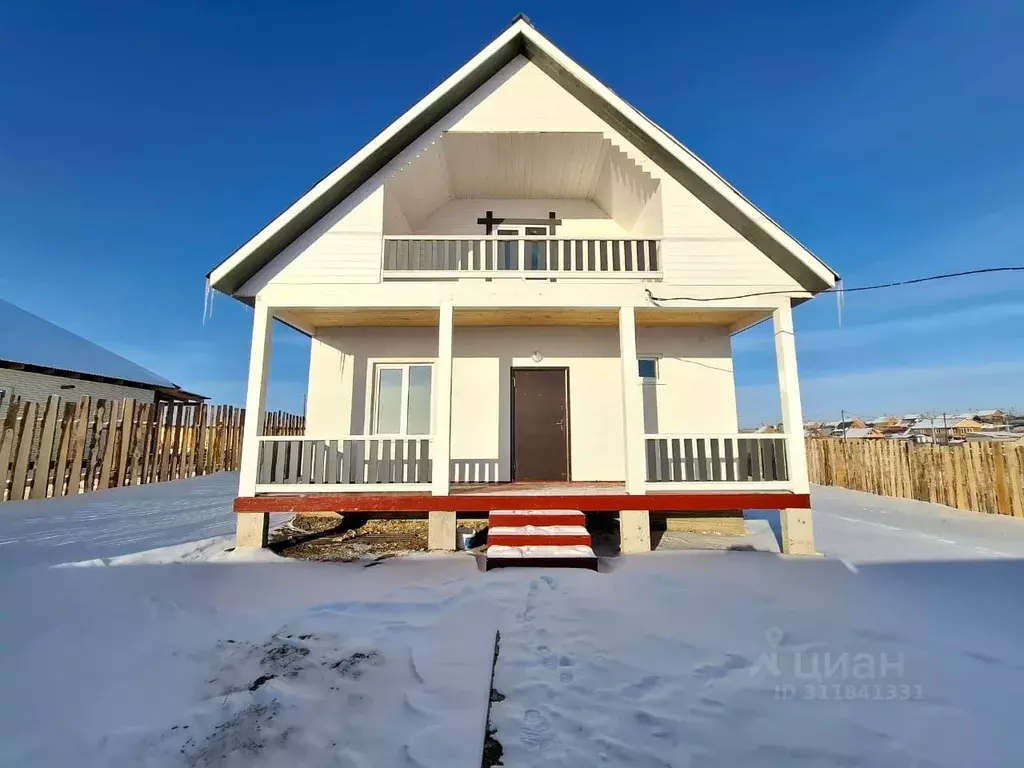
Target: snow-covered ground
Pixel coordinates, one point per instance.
(121, 521)
(669, 659)
(864, 527)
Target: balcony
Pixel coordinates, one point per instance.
(520, 257)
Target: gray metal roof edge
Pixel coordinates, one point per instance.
(49, 370)
(48, 336)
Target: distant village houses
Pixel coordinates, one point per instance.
(972, 426)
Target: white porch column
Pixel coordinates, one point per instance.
(634, 525)
(251, 527)
(797, 527)
(441, 526)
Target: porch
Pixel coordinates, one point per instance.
(448, 439)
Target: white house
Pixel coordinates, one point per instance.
(521, 297)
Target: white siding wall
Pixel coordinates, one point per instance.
(699, 248)
(343, 247)
(579, 217)
(695, 392)
(521, 97)
(695, 388)
(38, 386)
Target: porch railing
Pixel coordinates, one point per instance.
(371, 460)
(526, 256)
(754, 458)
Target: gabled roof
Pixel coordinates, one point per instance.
(522, 39)
(29, 340)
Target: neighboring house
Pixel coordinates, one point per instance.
(883, 422)
(909, 419)
(813, 429)
(943, 429)
(863, 433)
(985, 417)
(843, 426)
(854, 423)
(39, 359)
(480, 284)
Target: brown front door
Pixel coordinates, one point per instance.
(540, 424)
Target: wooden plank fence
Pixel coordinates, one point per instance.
(981, 477)
(62, 448)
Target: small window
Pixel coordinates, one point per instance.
(401, 399)
(648, 368)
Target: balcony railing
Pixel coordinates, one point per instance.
(716, 458)
(352, 460)
(519, 257)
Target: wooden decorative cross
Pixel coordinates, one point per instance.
(490, 222)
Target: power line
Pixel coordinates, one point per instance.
(916, 280)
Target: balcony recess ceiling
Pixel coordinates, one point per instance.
(560, 166)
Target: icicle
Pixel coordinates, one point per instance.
(207, 302)
(840, 301)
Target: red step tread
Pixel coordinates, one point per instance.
(505, 520)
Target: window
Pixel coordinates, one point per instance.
(508, 250)
(648, 371)
(401, 399)
(536, 251)
(648, 368)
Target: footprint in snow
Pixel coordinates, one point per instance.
(535, 733)
(548, 660)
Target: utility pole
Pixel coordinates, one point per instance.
(945, 428)
(842, 421)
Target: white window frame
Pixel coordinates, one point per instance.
(373, 387)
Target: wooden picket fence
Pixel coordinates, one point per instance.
(981, 477)
(64, 448)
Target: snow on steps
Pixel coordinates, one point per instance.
(539, 538)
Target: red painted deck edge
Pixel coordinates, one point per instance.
(704, 501)
(539, 539)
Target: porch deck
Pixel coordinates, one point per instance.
(486, 497)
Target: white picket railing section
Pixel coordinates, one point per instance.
(736, 458)
(368, 460)
(521, 256)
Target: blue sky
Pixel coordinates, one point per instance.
(140, 143)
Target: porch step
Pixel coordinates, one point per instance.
(545, 556)
(513, 518)
(539, 538)
(538, 535)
